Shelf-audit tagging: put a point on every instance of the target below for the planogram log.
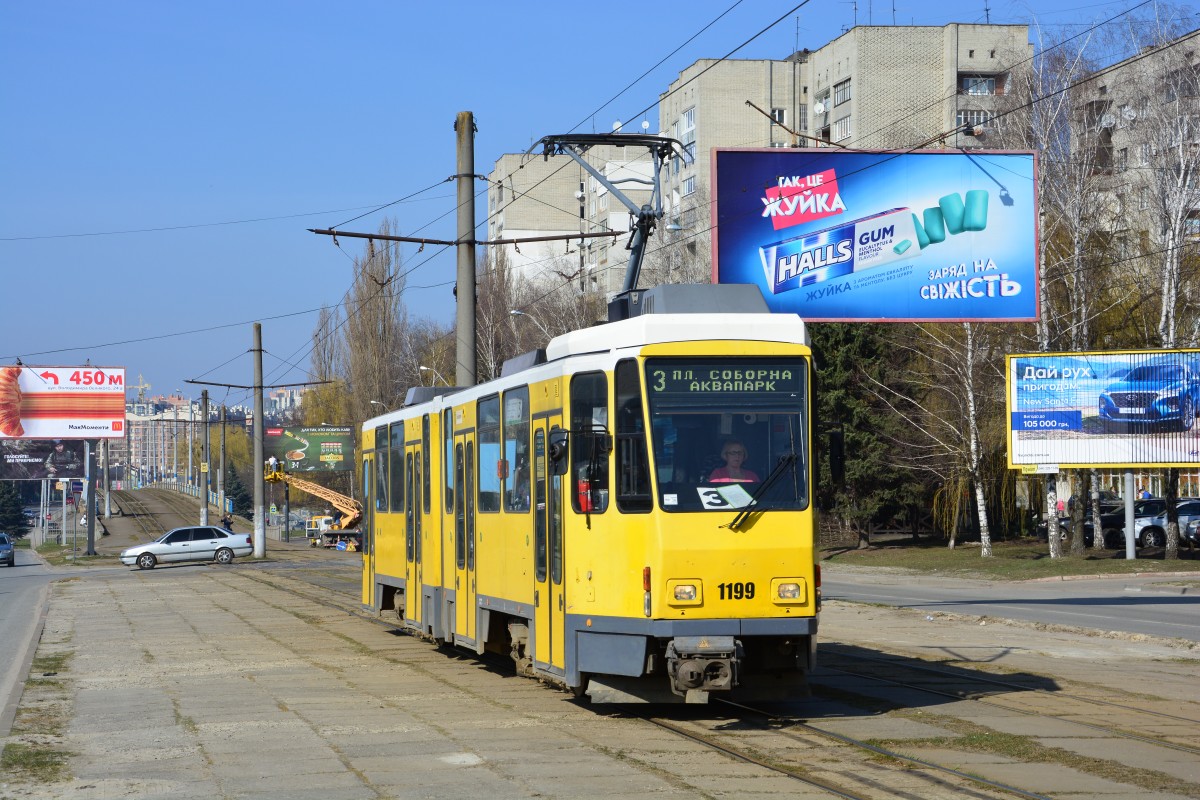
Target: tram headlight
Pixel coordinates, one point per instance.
(787, 591)
(685, 591)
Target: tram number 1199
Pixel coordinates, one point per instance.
(736, 591)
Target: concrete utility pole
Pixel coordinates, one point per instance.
(206, 467)
(464, 374)
(260, 510)
(221, 474)
(191, 448)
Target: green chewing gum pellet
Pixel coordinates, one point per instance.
(952, 212)
(900, 248)
(922, 239)
(935, 226)
(975, 218)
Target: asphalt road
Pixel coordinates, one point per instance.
(22, 608)
(1166, 606)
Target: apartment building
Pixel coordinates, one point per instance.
(1136, 126)
(529, 196)
(874, 87)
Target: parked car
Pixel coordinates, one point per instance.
(1112, 521)
(1165, 389)
(1152, 531)
(199, 543)
(7, 553)
(1191, 532)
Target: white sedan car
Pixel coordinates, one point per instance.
(199, 543)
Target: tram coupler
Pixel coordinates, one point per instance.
(702, 664)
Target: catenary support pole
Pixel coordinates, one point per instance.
(221, 472)
(260, 510)
(206, 467)
(464, 126)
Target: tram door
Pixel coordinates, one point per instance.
(548, 648)
(464, 537)
(412, 533)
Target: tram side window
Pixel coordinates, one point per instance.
(409, 513)
(633, 468)
(459, 511)
(589, 454)
(425, 488)
(396, 469)
(381, 469)
(417, 478)
(489, 479)
(468, 491)
(367, 528)
(448, 459)
(516, 449)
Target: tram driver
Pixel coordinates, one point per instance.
(734, 454)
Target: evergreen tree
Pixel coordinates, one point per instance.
(12, 520)
(852, 361)
(235, 490)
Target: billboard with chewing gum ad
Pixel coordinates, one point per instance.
(839, 235)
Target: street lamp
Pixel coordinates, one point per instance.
(514, 312)
(377, 403)
(436, 375)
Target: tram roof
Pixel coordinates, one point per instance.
(662, 328)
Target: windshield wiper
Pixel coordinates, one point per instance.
(781, 467)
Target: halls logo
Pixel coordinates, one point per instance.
(799, 199)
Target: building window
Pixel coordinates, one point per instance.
(1122, 162)
(803, 118)
(687, 133)
(841, 92)
(1191, 225)
(779, 115)
(841, 129)
(969, 119)
(979, 84)
(1144, 200)
(689, 185)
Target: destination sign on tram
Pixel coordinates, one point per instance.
(715, 378)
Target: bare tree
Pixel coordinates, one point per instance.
(681, 250)
(955, 407)
(376, 327)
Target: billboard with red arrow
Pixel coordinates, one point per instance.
(62, 402)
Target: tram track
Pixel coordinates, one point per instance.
(959, 679)
(863, 777)
(852, 779)
(824, 760)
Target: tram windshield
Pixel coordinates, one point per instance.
(726, 430)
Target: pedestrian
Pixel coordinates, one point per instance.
(1145, 493)
(1062, 508)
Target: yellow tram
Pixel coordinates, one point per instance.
(585, 514)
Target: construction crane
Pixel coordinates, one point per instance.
(141, 386)
(350, 509)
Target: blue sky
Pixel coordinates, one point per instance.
(160, 162)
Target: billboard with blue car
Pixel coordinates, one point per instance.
(839, 235)
(1134, 407)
